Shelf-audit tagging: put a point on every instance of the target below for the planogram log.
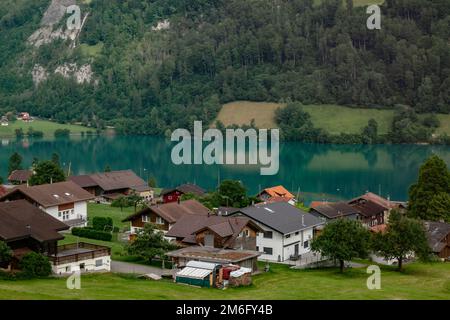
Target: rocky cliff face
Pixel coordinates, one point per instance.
(52, 28)
(47, 33)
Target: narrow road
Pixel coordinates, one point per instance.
(126, 267)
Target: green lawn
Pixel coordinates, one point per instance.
(332, 118)
(336, 119)
(104, 210)
(47, 127)
(418, 281)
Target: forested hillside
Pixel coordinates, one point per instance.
(144, 74)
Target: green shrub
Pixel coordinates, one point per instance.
(5, 254)
(35, 265)
(62, 133)
(102, 223)
(91, 233)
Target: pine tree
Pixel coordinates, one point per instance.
(429, 198)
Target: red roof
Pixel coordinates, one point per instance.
(278, 191)
(315, 204)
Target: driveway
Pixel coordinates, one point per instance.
(126, 267)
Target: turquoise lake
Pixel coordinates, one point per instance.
(319, 172)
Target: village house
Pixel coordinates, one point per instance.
(108, 186)
(215, 231)
(26, 228)
(4, 122)
(387, 204)
(371, 213)
(64, 201)
(276, 194)
(438, 235)
(18, 177)
(334, 210)
(288, 231)
(174, 194)
(164, 215)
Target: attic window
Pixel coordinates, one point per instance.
(270, 210)
(56, 196)
(67, 194)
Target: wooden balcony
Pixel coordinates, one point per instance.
(75, 252)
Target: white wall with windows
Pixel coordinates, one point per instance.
(279, 247)
(97, 264)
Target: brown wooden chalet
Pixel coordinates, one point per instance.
(438, 235)
(20, 176)
(215, 231)
(165, 215)
(26, 228)
(370, 212)
(111, 185)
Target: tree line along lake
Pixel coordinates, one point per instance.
(317, 171)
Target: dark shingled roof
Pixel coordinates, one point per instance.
(281, 216)
(186, 188)
(173, 211)
(16, 216)
(110, 181)
(367, 208)
(335, 210)
(49, 195)
(84, 181)
(436, 232)
(20, 175)
(189, 225)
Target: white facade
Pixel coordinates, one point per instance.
(79, 211)
(283, 246)
(97, 264)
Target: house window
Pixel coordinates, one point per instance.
(244, 233)
(98, 263)
(64, 214)
(257, 248)
(145, 218)
(159, 220)
(287, 236)
(268, 250)
(306, 244)
(268, 234)
(297, 233)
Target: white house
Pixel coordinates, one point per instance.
(64, 201)
(288, 231)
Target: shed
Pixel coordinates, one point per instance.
(198, 273)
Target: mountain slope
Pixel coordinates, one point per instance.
(151, 66)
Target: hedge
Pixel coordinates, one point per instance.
(91, 233)
(102, 223)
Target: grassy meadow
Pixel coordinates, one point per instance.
(47, 127)
(334, 119)
(418, 281)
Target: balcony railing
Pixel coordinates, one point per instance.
(75, 252)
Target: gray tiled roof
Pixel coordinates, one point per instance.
(281, 216)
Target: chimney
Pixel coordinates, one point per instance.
(28, 228)
(303, 220)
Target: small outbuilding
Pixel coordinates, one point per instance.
(198, 273)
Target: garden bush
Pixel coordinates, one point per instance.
(91, 233)
(102, 223)
(35, 265)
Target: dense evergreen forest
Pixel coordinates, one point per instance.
(215, 51)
